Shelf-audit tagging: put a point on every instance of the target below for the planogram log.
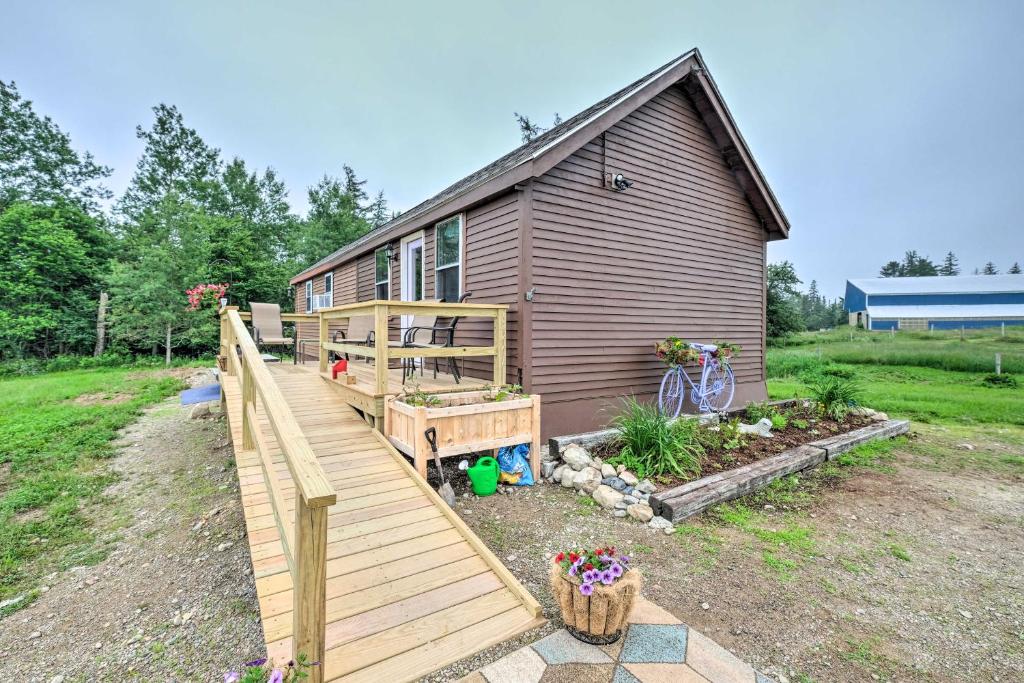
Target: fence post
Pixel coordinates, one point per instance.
(1002, 329)
(323, 340)
(961, 333)
(500, 354)
(999, 363)
(380, 345)
(309, 594)
(248, 398)
(227, 338)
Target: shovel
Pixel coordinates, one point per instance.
(445, 489)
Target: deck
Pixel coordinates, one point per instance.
(409, 588)
(365, 395)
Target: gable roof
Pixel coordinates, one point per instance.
(941, 284)
(538, 155)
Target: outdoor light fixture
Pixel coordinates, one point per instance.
(389, 252)
(620, 182)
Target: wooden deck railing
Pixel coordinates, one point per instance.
(382, 352)
(304, 541)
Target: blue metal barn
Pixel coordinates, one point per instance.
(936, 303)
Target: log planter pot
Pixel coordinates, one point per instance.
(598, 618)
(466, 422)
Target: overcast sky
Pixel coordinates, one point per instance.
(880, 126)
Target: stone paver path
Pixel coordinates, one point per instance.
(657, 648)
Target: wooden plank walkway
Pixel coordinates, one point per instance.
(410, 588)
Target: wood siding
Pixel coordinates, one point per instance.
(491, 272)
(681, 252)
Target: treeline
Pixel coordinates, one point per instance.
(913, 265)
(77, 278)
(790, 310)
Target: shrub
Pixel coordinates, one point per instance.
(779, 421)
(758, 411)
(1000, 381)
(652, 444)
(835, 395)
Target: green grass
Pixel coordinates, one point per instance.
(52, 450)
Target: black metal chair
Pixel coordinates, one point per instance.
(441, 336)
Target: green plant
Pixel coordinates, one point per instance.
(759, 411)
(415, 396)
(651, 444)
(260, 671)
(1003, 381)
(834, 396)
(779, 421)
(800, 423)
(502, 393)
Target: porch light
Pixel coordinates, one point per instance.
(389, 252)
(621, 182)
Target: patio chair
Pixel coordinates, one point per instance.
(360, 331)
(267, 329)
(422, 331)
(440, 336)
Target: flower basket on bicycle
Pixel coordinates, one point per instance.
(717, 383)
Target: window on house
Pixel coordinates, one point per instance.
(328, 290)
(383, 274)
(309, 296)
(448, 259)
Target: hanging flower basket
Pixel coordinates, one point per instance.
(675, 351)
(596, 590)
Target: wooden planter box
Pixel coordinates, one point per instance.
(465, 423)
(600, 617)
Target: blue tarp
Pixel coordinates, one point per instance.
(209, 392)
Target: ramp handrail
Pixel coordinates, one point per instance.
(305, 541)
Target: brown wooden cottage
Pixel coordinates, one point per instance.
(594, 271)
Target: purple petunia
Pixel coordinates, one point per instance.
(572, 570)
(232, 677)
(607, 578)
(255, 663)
(616, 569)
(276, 677)
(590, 576)
(586, 588)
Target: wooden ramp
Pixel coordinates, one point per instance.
(410, 588)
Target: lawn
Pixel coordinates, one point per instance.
(927, 378)
(56, 431)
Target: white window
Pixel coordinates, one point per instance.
(382, 274)
(328, 290)
(448, 259)
(309, 296)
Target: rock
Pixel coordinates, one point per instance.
(224, 546)
(34, 635)
(642, 497)
(59, 678)
(621, 505)
(608, 471)
(547, 468)
(641, 512)
(629, 478)
(646, 486)
(669, 530)
(660, 523)
(881, 417)
(619, 513)
(546, 454)
(568, 475)
(628, 491)
(198, 411)
(965, 614)
(763, 427)
(965, 447)
(620, 468)
(705, 605)
(12, 601)
(576, 457)
(557, 473)
(630, 500)
(606, 496)
(614, 482)
(587, 480)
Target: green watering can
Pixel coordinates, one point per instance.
(484, 476)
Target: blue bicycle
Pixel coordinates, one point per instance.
(716, 389)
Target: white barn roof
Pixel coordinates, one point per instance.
(1004, 311)
(939, 284)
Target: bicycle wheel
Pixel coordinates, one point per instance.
(717, 387)
(671, 395)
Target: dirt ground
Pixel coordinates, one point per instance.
(174, 599)
(904, 572)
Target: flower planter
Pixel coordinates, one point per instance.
(466, 423)
(600, 617)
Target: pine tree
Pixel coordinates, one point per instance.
(990, 269)
(950, 265)
(890, 269)
(1014, 269)
(528, 130)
